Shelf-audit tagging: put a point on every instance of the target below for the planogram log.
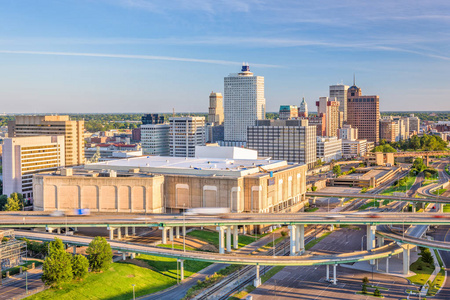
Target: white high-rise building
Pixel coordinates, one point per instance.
(244, 103)
(339, 91)
(185, 134)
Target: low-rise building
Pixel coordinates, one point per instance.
(356, 148)
(155, 139)
(329, 148)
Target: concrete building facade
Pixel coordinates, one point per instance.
(339, 91)
(244, 103)
(186, 133)
(215, 111)
(53, 125)
(288, 112)
(25, 156)
(389, 130)
(290, 140)
(347, 132)
(329, 148)
(155, 139)
(363, 112)
(354, 148)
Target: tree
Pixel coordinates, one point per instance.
(364, 289)
(80, 266)
(337, 170)
(3, 199)
(14, 202)
(427, 257)
(377, 293)
(57, 267)
(365, 280)
(100, 254)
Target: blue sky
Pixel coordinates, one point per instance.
(152, 56)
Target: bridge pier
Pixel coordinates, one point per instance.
(300, 238)
(406, 257)
(171, 234)
(111, 233)
(331, 227)
(334, 274)
(387, 264)
(119, 233)
(293, 241)
(257, 281)
(58, 230)
(235, 237)
(221, 239)
(413, 207)
(341, 201)
(380, 241)
(181, 261)
(441, 207)
(229, 238)
(164, 234)
(133, 230)
(177, 232)
(74, 249)
(183, 232)
(328, 273)
(371, 239)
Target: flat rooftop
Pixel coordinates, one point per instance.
(190, 165)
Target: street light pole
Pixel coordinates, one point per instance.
(184, 230)
(134, 297)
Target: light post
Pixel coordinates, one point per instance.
(273, 242)
(134, 297)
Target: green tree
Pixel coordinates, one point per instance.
(377, 293)
(364, 289)
(80, 266)
(100, 254)
(337, 170)
(57, 267)
(427, 257)
(365, 280)
(14, 202)
(3, 199)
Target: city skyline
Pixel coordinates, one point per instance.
(116, 56)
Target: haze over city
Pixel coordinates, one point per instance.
(138, 55)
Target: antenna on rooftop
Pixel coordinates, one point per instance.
(354, 79)
(173, 112)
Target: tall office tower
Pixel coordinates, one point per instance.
(363, 112)
(25, 156)
(339, 91)
(215, 114)
(185, 134)
(155, 139)
(331, 111)
(414, 123)
(288, 112)
(291, 140)
(348, 133)
(152, 119)
(244, 103)
(303, 109)
(53, 125)
(389, 130)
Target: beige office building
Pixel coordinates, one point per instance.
(53, 125)
(25, 156)
(215, 112)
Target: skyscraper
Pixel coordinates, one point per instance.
(331, 111)
(53, 125)
(363, 113)
(244, 103)
(303, 109)
(185, 134)
(339, 91)
(215, 112)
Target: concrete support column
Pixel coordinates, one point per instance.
(297, 239)
(235, 237)
(74, 250)
(126, 231)
(177, 232)
(380, 241)
(133, 230)
(387, 264)
(164, 235)
(301, 238)
(257, 281)
(181, 261)
(406, 258)
(331, 227)
(441, 207)
(292, 238)
(111, 233)
(221, 239)
(328, 273)
(413, 207)
(334, 274)
(119, 233)
(229, 238)
(58, 230)
(376, 264)
(133, 255)
(371, 239)
(184, 231)
(124, 256)
(171, 234)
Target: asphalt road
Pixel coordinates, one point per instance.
(309, 282)
(16, 287)
(442, 233)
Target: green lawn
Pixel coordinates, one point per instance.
(176, 246)
(437, 283)
(116, 283)
(392, 189)
(421, 276)
(213, 237)
(311, 209)
(447, 208)
(439, 191)
(372, 203)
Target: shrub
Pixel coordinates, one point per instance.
(364, 289)
(100, 254)
(377, 292)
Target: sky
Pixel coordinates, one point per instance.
(144, 56)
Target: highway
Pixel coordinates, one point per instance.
(429, 198)
(13, 220)
(304, 260)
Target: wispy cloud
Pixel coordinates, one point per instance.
(132, 56)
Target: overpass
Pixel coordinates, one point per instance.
(424, 154)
